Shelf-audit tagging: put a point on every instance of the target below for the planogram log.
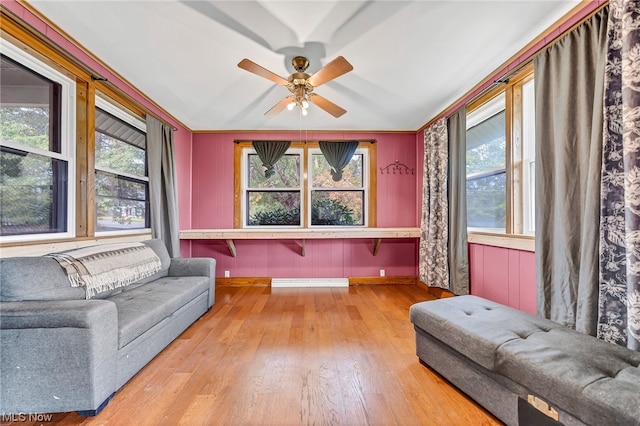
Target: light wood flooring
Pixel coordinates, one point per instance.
(262, 356)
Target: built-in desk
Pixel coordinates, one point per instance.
(229, 235)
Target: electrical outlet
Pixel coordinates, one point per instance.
(227, 274)
(382, 272)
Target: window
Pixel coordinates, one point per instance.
(528, 157)
(276, 200)
(486, 174)
(339, 203)
(501, 158)
(302, 192)
(37, 149)
(122, 185)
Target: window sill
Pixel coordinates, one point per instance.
(42, 247)
(509, 241)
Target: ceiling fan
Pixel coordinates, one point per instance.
(301, 84)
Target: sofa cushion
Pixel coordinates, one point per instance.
(577, 372)
(475, 326)
(165, 260)
(144, 306)
(35, 278)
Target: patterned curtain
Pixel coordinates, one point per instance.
(434, 230)
(619, 290)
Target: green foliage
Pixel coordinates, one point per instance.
(277, 216)
(487, 156)
(26, 190)
(26, 126)
(120, 156)
(283, 207)
(26, 193)
(486, 202)
(326, 211)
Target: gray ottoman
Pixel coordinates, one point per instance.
(502, 358)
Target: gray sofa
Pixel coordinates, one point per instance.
(61, 352)
(524, 369)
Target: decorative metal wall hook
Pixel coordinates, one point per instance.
(396, 166)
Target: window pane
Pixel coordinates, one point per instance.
(352, 176)
(486, 201)
(273, 208)
(486, 145)
(337, 207)
(119, 145)
(29, 107)
(120, 156)
(287, 172)
(121, 203)
(32, 193)
(528, 156)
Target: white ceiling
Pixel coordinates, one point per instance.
(411, 59)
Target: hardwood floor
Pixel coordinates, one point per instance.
(262, 356)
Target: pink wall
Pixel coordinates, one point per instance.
(213, 207)
(503, 275)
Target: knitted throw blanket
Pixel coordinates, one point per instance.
(108, 266)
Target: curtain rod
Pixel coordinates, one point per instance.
(237, 141)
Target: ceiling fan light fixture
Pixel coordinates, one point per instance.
(301, 84)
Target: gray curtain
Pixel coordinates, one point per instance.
(270, 152)
(338, 155)
(434, 229)
(457, 196)
(569, 97)
(163, 194)
(619, 295)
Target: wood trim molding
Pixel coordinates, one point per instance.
(237, 185)
(39, 248)
(399, 280)
(371, 202)
(516, 242)
(243, 282)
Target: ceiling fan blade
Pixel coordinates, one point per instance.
(280, 106)
(333, 69)
(326, 105)
(251, 66)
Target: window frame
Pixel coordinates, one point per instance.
(370, 171)
(67, 141)
(488, 109)
(365, 188)
(244, 212)
(120, 113)
(516, 187)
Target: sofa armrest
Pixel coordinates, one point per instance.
(196, 266)
(57, 356)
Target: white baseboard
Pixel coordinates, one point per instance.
(309, 282)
